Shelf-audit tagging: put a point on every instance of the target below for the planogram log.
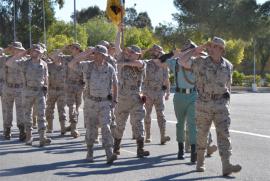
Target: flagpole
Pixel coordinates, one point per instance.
(75, 22)
(122, 21)
(30, 23)
(14, 21)
(44, 22)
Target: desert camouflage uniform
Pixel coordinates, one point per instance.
(74, 86)
(97, 106)
(56, 95)
(35, 77)
(213, 82)
(12, 92)
(129, 101)
(154, 91)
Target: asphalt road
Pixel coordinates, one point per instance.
(64, 159)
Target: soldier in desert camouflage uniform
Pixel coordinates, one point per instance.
(56, 94)
(3, 59)
(35, 75)
(130, 76)
(156, 83)
(74, 86)
(12, 93)
(213, 81)
(101, 81)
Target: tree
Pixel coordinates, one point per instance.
(235, 51)
(130, 16)
(22, 28)
(99, 29)
(143, 37)
(85, 14)
(61, 33)
(226, 18)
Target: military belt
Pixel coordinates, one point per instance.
(98, 99)
(185, 91)
(34, 88)
(14, 85)
(215, 96)
(56, 88)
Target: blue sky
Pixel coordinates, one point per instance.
(158, 10)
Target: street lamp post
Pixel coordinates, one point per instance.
(254, 85)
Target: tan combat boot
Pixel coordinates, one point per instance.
(50, 126)
(89, 156)
(116, 146)
(200, 167)
(147, 135)
(63, 127)
(43, 140)
(228, 168)
(74, 132)
(211, 150)
(111, 157)
(164, 139)
(29, 138)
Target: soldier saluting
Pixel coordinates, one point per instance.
(213, 78)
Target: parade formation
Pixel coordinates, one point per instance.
(115, 83)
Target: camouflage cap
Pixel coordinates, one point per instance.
(188, 45)
(104, 43)
(56, 53)
(137, 50)
(43, 46)
(76, 45)
(219, 41)
(17, 45)
(38, 48)
(101, 49)
(158, 48)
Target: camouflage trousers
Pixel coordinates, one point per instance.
(129, 105)
(218, 113)
(73, 100)
(37, 99)
(55, 97)
(11, 96)
(155, 99)
(98, 115)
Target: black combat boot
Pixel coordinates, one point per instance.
(180, 155)
(140, 151)
(22, 134)
(116, 146)
(193, 154)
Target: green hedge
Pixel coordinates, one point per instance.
(240, 79)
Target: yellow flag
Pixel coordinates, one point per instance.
(115, 10)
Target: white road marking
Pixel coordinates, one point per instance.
(133, 153)
(233, 131)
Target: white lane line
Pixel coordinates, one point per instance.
(233, 131)
(128, 151)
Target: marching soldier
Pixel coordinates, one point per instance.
(56, 94)
(213, 75)
(130, 102)
(156, 84)
(12, 93)
(35, 74)
(101, 81)
(74, 86)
